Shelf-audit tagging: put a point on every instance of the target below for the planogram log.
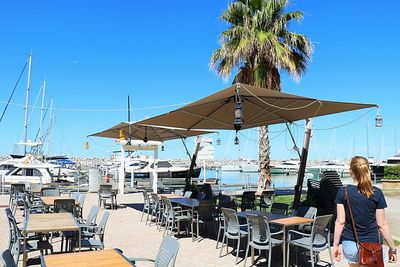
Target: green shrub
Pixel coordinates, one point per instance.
(392, 172)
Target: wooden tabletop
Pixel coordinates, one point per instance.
(49, 222)
(170, 196)
(294, 220)
(109, 257)
(49, 200)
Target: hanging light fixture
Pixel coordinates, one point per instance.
(128, 141)
(162, 147)
(218, 140)
(378, 119)
(236, 140)
(237, 124)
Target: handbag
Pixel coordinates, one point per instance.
(369, 253)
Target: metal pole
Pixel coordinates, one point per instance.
(303, 161)
(121, 174)
(192, 164)
(155, 169)
(28, 88)
(41, 111)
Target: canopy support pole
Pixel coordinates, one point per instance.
(192, 164)
(303, 161)
(121, 172)
(155, 169)
(187, 151)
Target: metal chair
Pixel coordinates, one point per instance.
(233, 230)
(280, 208)
(267, 198)
(205, 213)
(166, 255)
(147, 205)
(90, 220)
(7, 259)
(105, 193)
(92, 243)
(248, 200)
(260, 236)
(81, 201)
(224, 201)
(174, 216)
(178, 192)
(317, 241)
(306, 212)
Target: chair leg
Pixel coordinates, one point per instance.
(222, 245)
(312, 257)
(288, 254)
(330, 256)
(269, 254)
(219, 231)
(245, 257)
(237, 249)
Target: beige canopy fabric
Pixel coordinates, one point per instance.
(260, 107)
(138, 131)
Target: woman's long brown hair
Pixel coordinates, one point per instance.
(360, 168)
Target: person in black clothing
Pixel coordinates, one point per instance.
(368, 206)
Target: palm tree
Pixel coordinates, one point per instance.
(258, 44)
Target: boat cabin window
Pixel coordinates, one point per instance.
(7, 167)
(28, 172)
(162, 164)
(393, 161)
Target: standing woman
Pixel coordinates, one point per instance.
(368, 206)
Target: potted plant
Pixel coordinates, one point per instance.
(392, 177)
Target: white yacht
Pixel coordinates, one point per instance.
(29, 174)
(143, 168)
(342, 168)
(286, 167)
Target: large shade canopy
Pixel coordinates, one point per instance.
(260, 107)
(141, 132)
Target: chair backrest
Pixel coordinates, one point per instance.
(178, 192)
(75, 195)
(81, 199)
(267, 197)
(231, 219)
(15, 244)
(280, 208)
(105, 188)
(320, 231)
(10, 215)
(188, 194)
(35, 186)
(166, 255)
(206, 209)
(146, 199)
(248, 200)
(50, 192)
(306, 212)
(200, 196)
(18, 187)
(64, 206)
(169, 211)
(226, 201)
(91, 218)
(259, 227)
(7, 259)
(101, 228)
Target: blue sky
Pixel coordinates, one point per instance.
(95, 53)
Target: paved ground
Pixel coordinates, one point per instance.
(125, 231)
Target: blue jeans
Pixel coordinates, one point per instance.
(350, 251)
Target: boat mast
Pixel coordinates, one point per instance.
(28, 88)
(41, 111)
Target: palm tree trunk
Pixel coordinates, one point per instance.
(264, 170)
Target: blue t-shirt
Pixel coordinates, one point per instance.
(364, 213)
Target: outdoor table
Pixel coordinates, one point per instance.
(49, 200)
(108, 257)
(47, 223)
(279, 219)
(187, 202)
